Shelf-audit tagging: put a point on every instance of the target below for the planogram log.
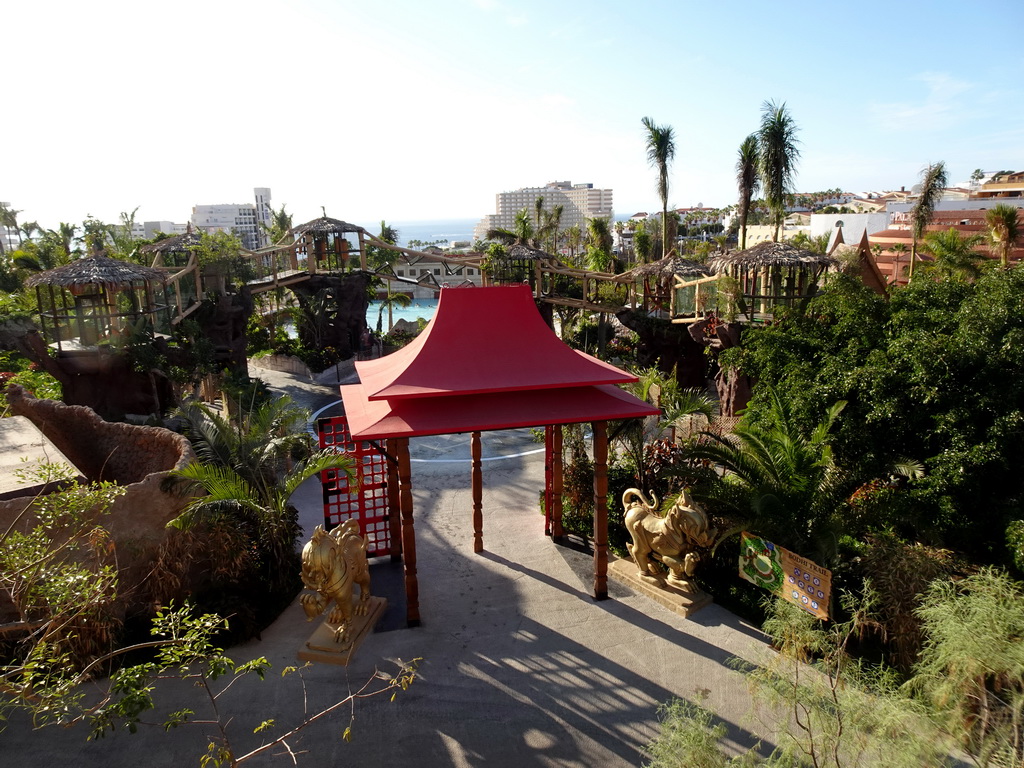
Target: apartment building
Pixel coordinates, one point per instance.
(579, 202)
(244, 219)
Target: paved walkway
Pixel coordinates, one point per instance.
(520, 666)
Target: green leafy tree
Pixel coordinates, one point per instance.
(778, 155)
(927, 375)
(661, 149)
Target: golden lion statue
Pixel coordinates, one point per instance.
(332, 564)
(672, 539)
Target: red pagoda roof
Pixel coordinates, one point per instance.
(411, 417)
(483, 340)
(486, 361)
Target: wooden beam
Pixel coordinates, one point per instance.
(478, 494)
(600, 510)
(412, 587)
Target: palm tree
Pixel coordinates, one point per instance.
(1003, 230)
(900, 250)
(933, 181)
(955, 254)
(522, 231)
(549, 231)
(778, 153)
(280, 224)
(391, 301)
(239, 468)
(785, 482)
(8, 221)
(599, 235)
(574, 240)
(538, 209)
(29, 228)
(748, 182)
(66, 235)
(661, 148)
(376, 256)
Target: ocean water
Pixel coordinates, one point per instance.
(428, 231)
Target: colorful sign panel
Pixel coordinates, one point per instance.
(785, 574)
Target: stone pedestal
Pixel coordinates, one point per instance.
(663, 591)
(321, 646)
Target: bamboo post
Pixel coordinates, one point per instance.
(600, 510)
(412, 587)
(478, 491)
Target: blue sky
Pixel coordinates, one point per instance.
(424, 109)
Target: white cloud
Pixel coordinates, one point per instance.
(941, 107)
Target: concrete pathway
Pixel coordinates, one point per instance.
(520, 666)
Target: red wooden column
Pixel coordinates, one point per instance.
(412, 587)
(478, 494)
(556, 482)
(548, 495)
(600, 510)
(394, 501)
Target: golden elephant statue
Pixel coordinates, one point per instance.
(332, 564)
(672, 539)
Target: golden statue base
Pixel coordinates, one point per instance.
(671, 595)
(321, 646)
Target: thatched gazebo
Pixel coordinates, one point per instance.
(519, 265)
(321, 246)
(97, 298)
(770, 275)
(659, 279)
(178, 258)
(174, 251)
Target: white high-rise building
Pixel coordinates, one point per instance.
(579, 202)
(244, 219)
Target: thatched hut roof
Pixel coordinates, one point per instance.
(668, 267)
(325, 226)
(185, 243)
(522, 252)
(769, 254)
(97, 269)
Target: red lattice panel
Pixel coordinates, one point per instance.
(368, 504)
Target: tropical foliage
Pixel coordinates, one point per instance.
(927, 375)
(249, 466)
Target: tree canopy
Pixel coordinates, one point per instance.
(930, 375)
